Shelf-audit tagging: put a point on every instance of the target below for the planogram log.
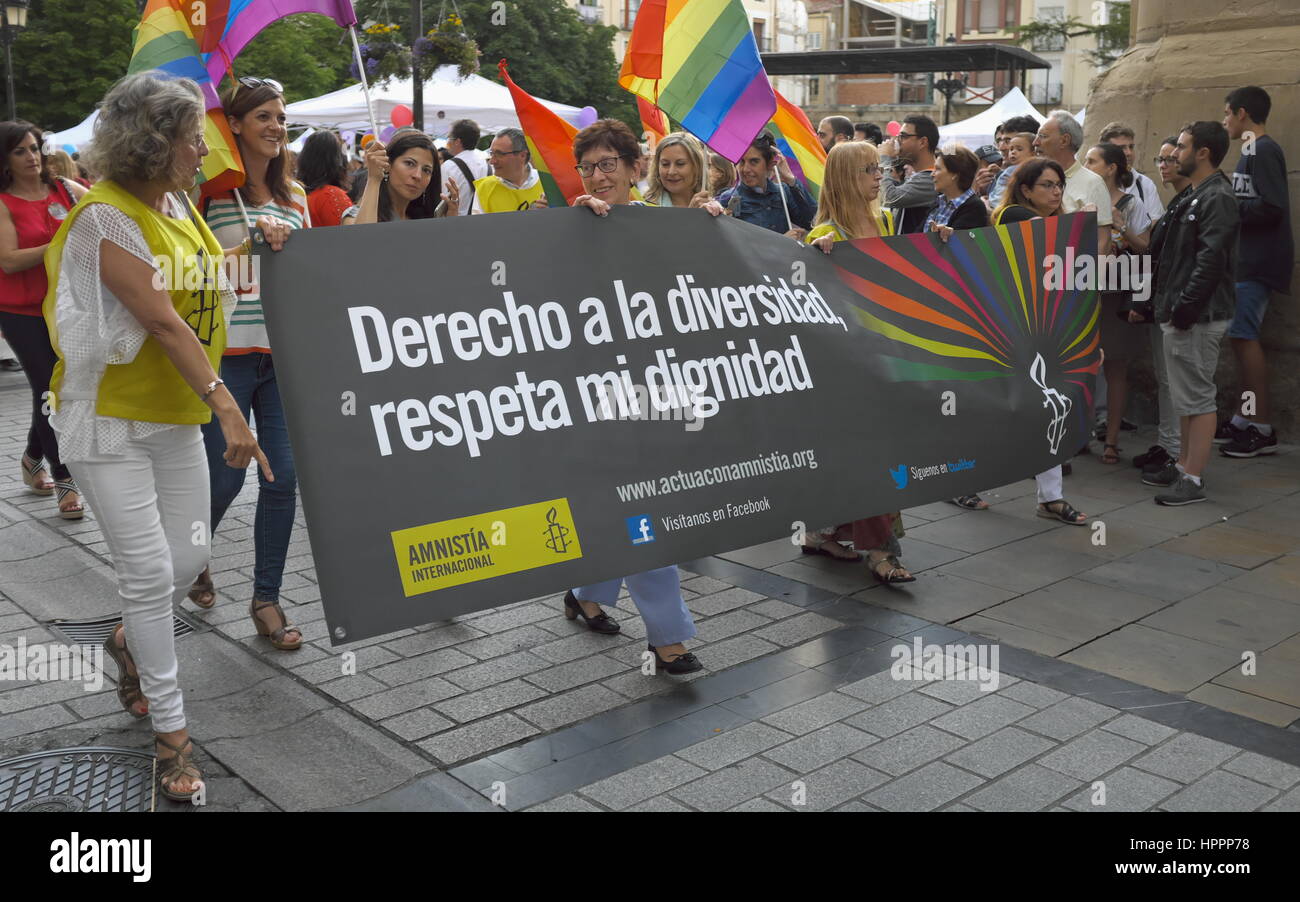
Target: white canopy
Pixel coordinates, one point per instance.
(978, 129)
(1079, 115)
(78, 136)
(447, 97)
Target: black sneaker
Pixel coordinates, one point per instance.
(1249, 443)
(1184, 491)
(1166, 476)
(1154, 458)
(1226, 433)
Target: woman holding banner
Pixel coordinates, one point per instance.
(769, 195)
(130, 430)
(679, 173)
(846, 212)
(255, 110)
(608, 161)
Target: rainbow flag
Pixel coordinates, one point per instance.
(697, 61)
(798, 142)
(550, 143)
(653, 121)
(199, 40)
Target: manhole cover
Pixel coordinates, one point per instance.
(79, 779)
(94, 632)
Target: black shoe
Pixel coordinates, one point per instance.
(1249, 443)
(1226, 433)
(1126, 426)
(1166, 476)
(601, 623)
(10, 365)
(679, 665)
(1154, 458)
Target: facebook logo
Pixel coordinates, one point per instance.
(640, 530)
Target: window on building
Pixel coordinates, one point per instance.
(814, 40)
(814, 88)
(1053, 42)
(630, 8)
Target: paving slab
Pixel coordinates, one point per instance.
(938, 597)
(1229, 618)
(1154, 658)
(1221, 791)
(925, 790)
(1235, 545)
(1075, 609)
(1126, 789)
(1185, 757)
(1276, 677)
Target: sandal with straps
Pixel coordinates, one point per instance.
(201, 587)
(276, 635)
(171, 769)
(1110, 454)
(1064, 512)
(36, 486)
(128, 687)
(840, 553)
(65, 488)
(895, 572)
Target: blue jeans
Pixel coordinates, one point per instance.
(251, 379)
(1252, 303)
(657, 595)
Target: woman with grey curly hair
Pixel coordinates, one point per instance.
(137, 312)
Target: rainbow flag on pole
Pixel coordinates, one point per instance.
(698, 62)
(653, 121)
(199, 40)
(798, 142)
(550, 143)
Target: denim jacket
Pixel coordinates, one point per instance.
(766, 209)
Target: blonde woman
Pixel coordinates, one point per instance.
(722, 173)
(847, 210)
(679, 173)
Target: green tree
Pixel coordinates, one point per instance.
(308, 54)
(1112, 36)
(552, 53)
(67, 58)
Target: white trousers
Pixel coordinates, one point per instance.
(152, 504)
(1051, 485)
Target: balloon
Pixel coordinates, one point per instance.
(386, 134)
(402, 115)
(366, 139)
(70, 148)
(586, 116)
(893, 128)
(348, 137)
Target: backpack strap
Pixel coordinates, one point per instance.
(469, 177)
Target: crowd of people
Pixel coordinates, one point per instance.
(146, 395)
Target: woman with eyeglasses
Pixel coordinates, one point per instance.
(1129, 232)
(609, 162)
(679, 173)
(33, 204)
(848, 210)
(765, 176)
(403, 181)
(254, 109)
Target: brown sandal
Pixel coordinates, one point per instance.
(840, 552)
(175, 766)
(276, 635)
(894, 571)
(128, 687)
(203, 587)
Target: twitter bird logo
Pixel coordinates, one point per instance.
(900, 476)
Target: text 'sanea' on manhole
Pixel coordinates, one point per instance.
(78, 779)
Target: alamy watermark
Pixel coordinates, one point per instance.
(51, 662)
(974, 663)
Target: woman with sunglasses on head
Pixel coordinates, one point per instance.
(609, 162)
(254, 108)
(402, 182)
(679, 173)
(849, 209)
(765, 175)
(33, 204)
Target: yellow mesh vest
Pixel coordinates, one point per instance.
(150, 388)
(494, 196)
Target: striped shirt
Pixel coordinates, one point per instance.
(247, 330)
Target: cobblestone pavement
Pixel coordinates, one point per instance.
(1121, 683)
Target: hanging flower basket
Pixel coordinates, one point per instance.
(388, 56)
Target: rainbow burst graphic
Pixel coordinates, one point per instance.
(977, 308)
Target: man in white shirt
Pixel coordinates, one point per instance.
(1143, 189)
(1060, 138)
(467, 163)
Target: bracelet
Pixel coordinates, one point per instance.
(212, 386)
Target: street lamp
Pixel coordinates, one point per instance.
(15, 21)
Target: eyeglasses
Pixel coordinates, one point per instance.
(250, 82)
(1050, 186)
(1166, 161)
(504, 153)
(902, 135)
(609, 164)
(872, 170)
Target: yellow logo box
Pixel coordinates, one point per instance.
(468, 549)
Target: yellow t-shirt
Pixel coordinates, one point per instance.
(495, 196)
(884, 223)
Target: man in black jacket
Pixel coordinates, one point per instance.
(1195, 297)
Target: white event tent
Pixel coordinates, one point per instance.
(978, 129)
(78, 136)
(447, 97)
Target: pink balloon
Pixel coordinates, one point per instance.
(402, 116)
(586, 116)
(893, 128)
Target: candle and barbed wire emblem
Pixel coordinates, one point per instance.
(557, 535)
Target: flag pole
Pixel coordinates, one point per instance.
(785, 205)
(365, 87)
